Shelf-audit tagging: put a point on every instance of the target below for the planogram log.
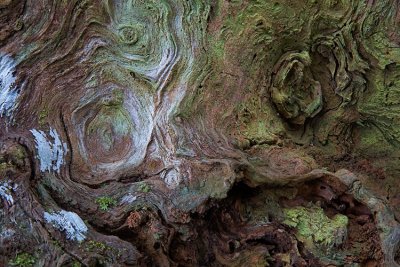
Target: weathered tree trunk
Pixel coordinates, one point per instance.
(199, 133)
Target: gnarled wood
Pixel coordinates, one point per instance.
(199, 133)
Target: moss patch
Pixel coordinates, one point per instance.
(96, 246)
(23, 260)
(42, 117)
(314, 228)
(106, 202)
(143, 187)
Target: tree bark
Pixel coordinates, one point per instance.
(199, 133)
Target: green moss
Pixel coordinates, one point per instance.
(143, 187)
(377, 40)
(257, 122)
(373, 143)
(258, 131)
(4, 166)
(19, 153)
(96, 246)
(217, 48)
(379, 109)
(106, 202)
(281, 12)
(43, 114)
(315, 229)
(102, 248)
(57, 244)
(18, 24)
(14, 158)
(23, 260)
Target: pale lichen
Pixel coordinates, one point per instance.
(70, 222)
(6, 189)
(50, 152)
(8, 90)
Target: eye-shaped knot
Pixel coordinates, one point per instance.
(129, 34)
(295, 93)
(108, 130)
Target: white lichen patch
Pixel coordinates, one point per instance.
(70, 222)
(50, 152)
(8, 91)
(128, 199)
(6, 189)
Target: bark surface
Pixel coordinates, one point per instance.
(199, 133)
